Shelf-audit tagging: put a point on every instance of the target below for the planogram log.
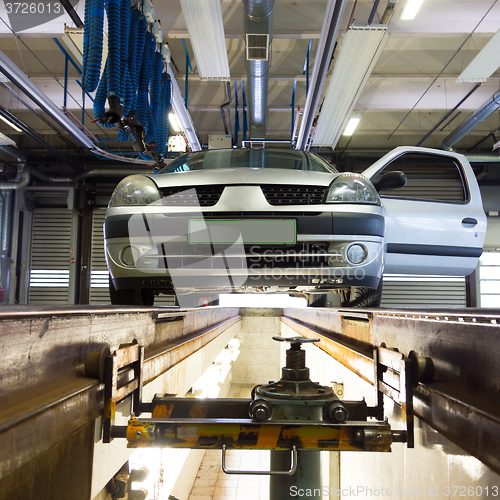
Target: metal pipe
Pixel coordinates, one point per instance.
(33, 135)
(16, 76)
(71, 12)
(12, 151)
(258, 20)
(482, 158)
(5, 249)
(6, 215)
(388, 12)
(450, 113)
(470, 123)
(373, 12)
(293, 112)
(329, 31)
(21, 180)
(91, 173)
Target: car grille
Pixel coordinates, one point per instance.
(293, 195)
(302, 256)
(206, 196)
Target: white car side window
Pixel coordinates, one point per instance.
(430, 177)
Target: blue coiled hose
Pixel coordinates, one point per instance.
(113, 63)
(136, 55)
(124, 41)
(92, 44)
(133, 71)
(162, 115)
(154, 98)
(145, 74)
(100, 100)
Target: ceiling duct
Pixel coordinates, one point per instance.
(258, 22)
(491, 105)
(21, 180)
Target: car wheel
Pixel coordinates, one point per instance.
(361, 296)
(130, 296)
(316, 300)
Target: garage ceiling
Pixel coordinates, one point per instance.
(416, 53)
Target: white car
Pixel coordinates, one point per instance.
(275, 220)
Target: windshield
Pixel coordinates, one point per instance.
(249, 158)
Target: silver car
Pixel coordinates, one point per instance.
(274, 220)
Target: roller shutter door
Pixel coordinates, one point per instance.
(52, 257)
(99, 286)
(423, 291)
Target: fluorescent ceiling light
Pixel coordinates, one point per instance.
(358, 55)
(206, 32)
(10, 124)
(484, 64)
(411, 9)
(173, 122)
(353, 123)
(6, 141)
(182, 114)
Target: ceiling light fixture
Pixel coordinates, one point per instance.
(411, 9)
(173, 122)
(6, 141)
(353, 123)
(182, 114)
(17, 129)
(206, 32)
(484, 64)
(358, 55)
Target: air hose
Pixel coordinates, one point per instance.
(154, 97)
(100, 100)
(162, 115)
(92, 44)
(133, 81)
(144, 78)
(115, 112)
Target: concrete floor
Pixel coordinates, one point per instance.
(212, 483)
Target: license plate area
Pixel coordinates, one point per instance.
(263, 231)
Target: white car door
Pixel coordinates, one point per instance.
(436, 223)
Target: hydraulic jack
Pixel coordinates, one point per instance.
(293, 417)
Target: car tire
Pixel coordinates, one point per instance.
(316, 300)
(361, 296)
(130, 296)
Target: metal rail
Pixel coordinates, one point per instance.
(52, 398)
(463, 402)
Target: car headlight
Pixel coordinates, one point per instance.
(352, 188)
(134, 190)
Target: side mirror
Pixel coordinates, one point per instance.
(391, 180)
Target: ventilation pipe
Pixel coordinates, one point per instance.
(5, 246)
(472, 122)
(21, 180)
(258, 34)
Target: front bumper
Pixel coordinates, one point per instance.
(318, 259)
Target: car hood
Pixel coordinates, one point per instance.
(230, 176)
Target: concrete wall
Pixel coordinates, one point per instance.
(430, 470)
(258, 362)
(108, 458)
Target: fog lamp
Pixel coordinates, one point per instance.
(356, 254)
